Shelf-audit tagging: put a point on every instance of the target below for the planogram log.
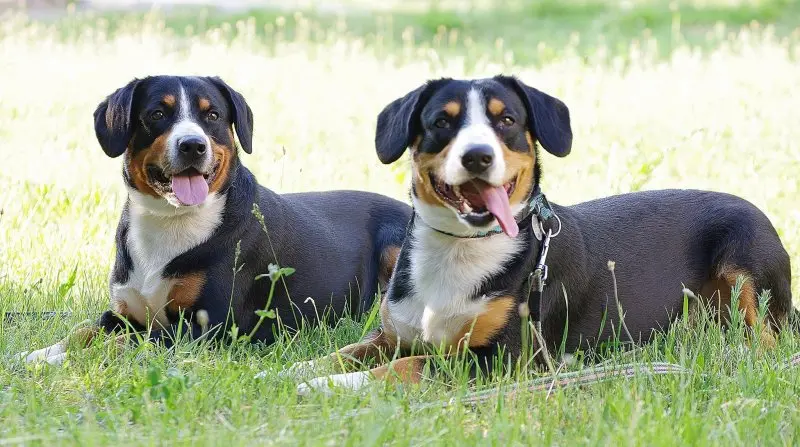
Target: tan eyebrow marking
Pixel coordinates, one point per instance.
(496, 106)
(452, 108)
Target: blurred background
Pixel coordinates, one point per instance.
(663, 94)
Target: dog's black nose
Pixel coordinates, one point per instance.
(478, 158)
(192, 145)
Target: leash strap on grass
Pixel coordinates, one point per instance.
(794, 361)
(10, 317)
(588, 376)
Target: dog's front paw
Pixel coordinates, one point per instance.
(53, 355)
(326, 384)
(296, 370)
(57, 359)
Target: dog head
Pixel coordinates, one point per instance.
(474, 157)
(177, 137)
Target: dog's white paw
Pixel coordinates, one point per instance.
(351, 381)
(56, 351)
(296, 370)
(57, 359)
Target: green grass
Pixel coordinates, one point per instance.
(701, 105)
(534, 32)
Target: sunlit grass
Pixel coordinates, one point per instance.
(723, 119)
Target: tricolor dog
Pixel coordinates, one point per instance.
(483, 236)
(190, 204)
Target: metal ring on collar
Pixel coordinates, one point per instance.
(541, 226)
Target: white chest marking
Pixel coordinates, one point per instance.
(158, 232)
(446, 273)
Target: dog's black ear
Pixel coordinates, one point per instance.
(243, 116)
(399, 124)
(113, 123)
(548, 117)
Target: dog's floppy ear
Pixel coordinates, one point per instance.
(398, 123)
(243, 116)
(113, 124)
(548, 117)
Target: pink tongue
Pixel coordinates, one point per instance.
(190, 189)
(496, 200)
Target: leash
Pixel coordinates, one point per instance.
(547, 384)
(10, 317)
(543, 216)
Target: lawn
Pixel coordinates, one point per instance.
(684, 94)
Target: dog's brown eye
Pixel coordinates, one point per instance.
(442, 123)
(157, 115)
(507, 121)
(212, 116)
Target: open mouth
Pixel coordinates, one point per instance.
(190, 186)
(467, 198)
(477, 202)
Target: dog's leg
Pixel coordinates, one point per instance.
(379, 274)
(55, 354)
(380, 342)
(375, 344)
(407, 370)
(717, 292)
(387, 263)
(56, 351)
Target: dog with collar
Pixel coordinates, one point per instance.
(189, 213)
(483, 238)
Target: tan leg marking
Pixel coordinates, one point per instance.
(486, 326)
(387, 264)
(404, 370)
(184, 293)
(717, 294)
